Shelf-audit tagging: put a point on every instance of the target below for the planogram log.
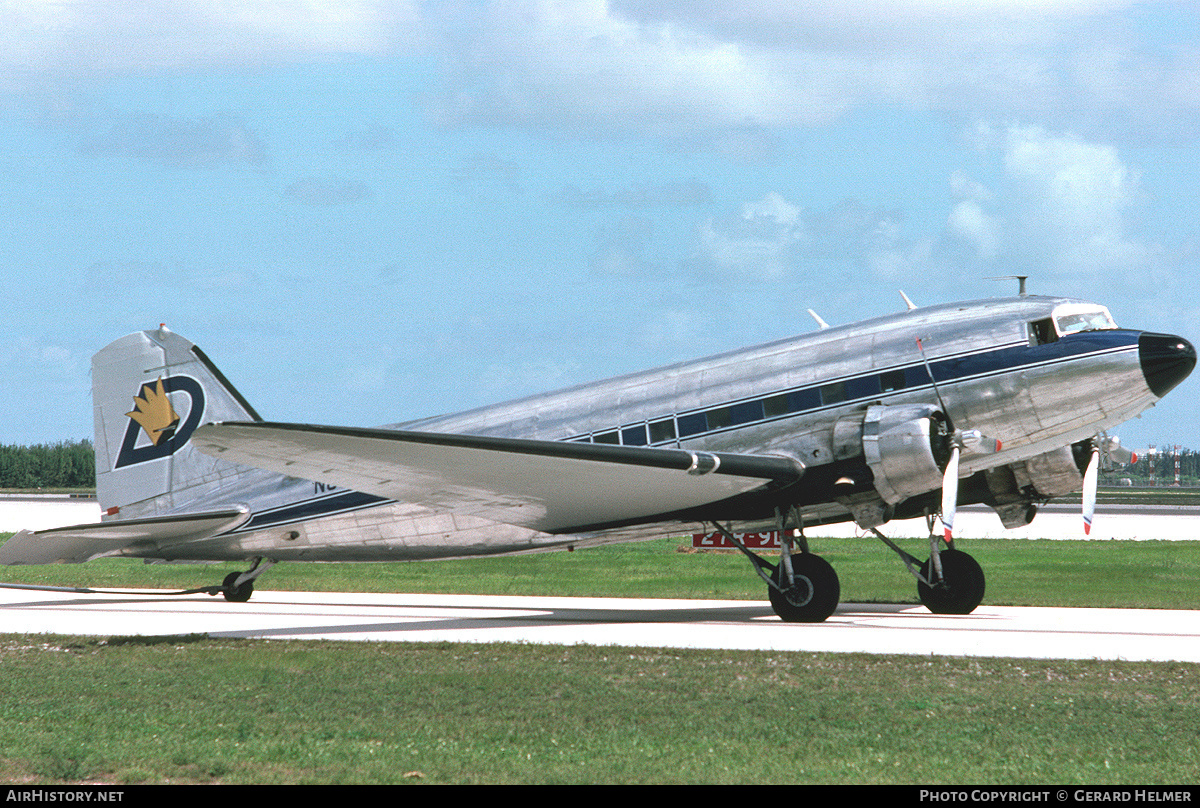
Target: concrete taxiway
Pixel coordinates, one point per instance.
(992, 631)
(43, 511)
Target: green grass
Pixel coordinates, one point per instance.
(193, 710)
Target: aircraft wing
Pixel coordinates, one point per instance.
(549, 486)
(79, 543)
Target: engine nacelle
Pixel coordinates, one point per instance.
(1052, 474)
(1012, 490)
(906, 448)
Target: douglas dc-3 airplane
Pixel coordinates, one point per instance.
(1005, 402)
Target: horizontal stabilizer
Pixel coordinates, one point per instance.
(79, 543)
(549, 486)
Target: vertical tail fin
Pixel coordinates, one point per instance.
(150, 391)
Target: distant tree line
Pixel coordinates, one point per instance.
(59, 465)
(1158, 467)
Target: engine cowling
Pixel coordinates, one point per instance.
(1053, 474)
(906, 447)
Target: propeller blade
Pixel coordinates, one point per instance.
(950, 494)
(1090, 479)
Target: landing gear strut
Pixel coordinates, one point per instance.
(803, 588)
(949, 582)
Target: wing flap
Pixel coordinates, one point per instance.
(79, 543)
(549, 486)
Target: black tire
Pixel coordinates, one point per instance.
(961, 589)
(814, 594)
(239, 594)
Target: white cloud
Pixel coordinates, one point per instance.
(772, 238)
(676, 68)
(969, 221)
(773, 208)
(875, 24)
(620, 65)
(185, 143)
(576, 63)
(758, 242)
(1072, 200)
(1062, 205)
(89, 35)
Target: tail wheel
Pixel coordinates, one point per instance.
(236, 594)
(961, 588)
(813, 595)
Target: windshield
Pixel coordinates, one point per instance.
(1073, 319)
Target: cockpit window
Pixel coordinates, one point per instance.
(1042, 332)
(1073, 318)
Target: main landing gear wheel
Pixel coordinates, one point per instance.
(236, 594)
(961, 587)
(814, 592)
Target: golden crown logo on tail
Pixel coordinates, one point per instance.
(154, 413)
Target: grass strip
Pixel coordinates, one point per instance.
(195, 710)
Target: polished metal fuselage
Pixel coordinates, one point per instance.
(990, 377)
(1040, 405)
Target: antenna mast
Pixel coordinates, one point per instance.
(1020, 282)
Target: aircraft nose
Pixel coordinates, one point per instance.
(1166, 360)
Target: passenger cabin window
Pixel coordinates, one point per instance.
(634, 435)
(662, 431)
(891, 380)
(833, 393)
(692, 424)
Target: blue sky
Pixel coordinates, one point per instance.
(367, 212)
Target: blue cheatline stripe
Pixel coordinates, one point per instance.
(312, 508)
(888, 381)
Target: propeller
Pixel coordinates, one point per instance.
(960, 439)
(950, 494)
(1089, 489)
(971, 440)
(1105, 450)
